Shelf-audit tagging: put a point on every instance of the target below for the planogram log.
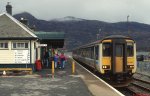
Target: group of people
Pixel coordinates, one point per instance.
(59, 61)
(52, 55)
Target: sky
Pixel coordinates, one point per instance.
(103, 10)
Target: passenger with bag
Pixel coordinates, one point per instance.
(62, 60)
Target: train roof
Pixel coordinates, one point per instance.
(117, 37)
(108, 37)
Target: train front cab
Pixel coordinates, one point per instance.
(118, 57)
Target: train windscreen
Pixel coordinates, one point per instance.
(130, 49)
(106, 49)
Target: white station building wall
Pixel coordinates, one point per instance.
(18, 55)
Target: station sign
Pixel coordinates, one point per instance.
(22, 56)
(42, 45)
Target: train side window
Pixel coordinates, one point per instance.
(106, 49)
(86, 52)
(83, 53)
(130, 49)
(89, 49)
(96, 52)
(92, 52)
(80, 52)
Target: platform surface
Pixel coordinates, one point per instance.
(63, 84)
(42, 84)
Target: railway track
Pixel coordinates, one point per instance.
(142, 74)
(140, 85)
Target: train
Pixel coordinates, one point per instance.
(114, 57)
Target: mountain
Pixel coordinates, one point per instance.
(81, 31)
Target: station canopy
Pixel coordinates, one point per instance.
(50, 35)
(52, 39)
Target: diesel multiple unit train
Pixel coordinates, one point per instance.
(113, 57)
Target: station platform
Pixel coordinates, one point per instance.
(41, 83)
(97, 86)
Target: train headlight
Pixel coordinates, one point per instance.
(103, 67)
(130, 66)
(106, 66)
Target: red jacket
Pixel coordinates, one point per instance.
(62, 57)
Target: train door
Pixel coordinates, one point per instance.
(96, 56)
(119, 57)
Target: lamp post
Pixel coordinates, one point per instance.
(98, 35)
(128, 24)
(127, 18)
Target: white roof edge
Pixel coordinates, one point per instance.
(2, 13)
(17, 22)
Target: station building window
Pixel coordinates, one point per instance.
(3, 45)
(20, 45)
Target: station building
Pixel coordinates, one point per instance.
(17, 44)
(20, 46)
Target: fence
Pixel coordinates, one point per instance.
(143, 67)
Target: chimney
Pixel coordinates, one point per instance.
(33, 27)
(24, 21)
(9, 8)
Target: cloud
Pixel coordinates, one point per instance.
(104, 10)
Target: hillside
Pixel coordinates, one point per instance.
(81, 31)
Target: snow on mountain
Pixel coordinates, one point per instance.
(68, 18)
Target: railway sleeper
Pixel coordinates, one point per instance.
(142, 87)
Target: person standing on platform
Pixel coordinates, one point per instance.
(47, 58)
(62, 60)
(56, 58)
(43, 58)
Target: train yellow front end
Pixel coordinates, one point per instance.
(118, 57)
